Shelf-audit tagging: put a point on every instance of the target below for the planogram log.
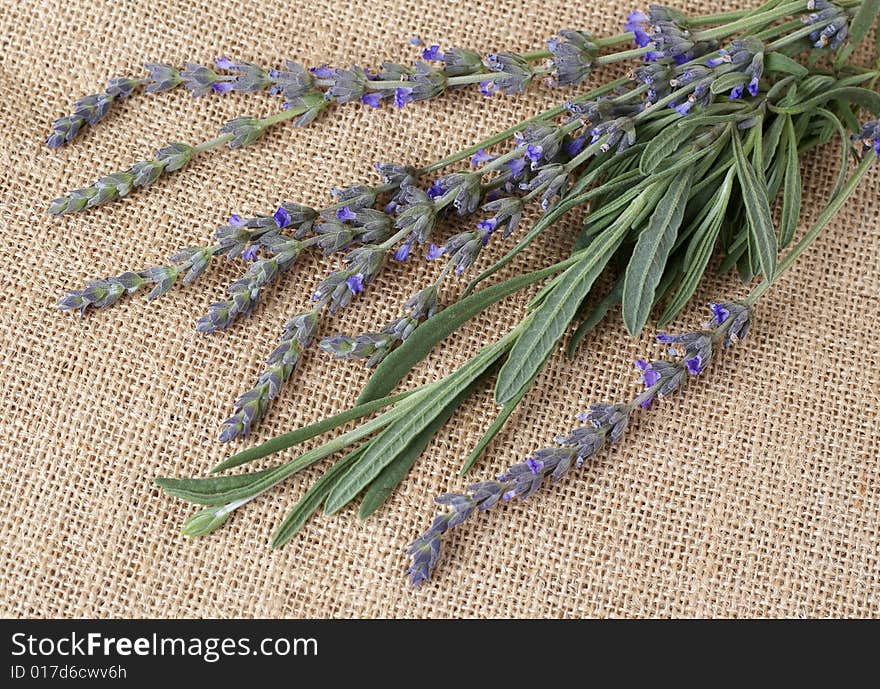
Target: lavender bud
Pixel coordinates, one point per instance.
(573, 55)
(293, 82)
(199, 80)
(507, 210)
(249, 77)
(162, 77)
(419, 214)
(463, 188)
(347, 85)
(355, 197)
(244, 130)
(459, 62)
(516, 73)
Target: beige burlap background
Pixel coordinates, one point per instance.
(757, 492)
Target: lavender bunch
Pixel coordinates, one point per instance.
(682, 158)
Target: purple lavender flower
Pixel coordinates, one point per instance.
(636, 21)
(435, 190)
(694, 365)
(432, 53)
(869, 135)
(487, 88)
(574, 146)
(649, 376)
(516, 166)
(345, 213)
(355, 283)
(403, 251)
(402, 96)
(481, 157)
(322, 72)
(720, 313)
(434, 252)
(373, 99)
(251, 252)
(282, 217)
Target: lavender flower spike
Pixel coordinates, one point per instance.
(603, 423)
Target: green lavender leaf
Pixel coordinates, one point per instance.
(777, 62)
(651, 252)
(216, 490)
(391, 476)
(286, 440)
(762, 238)
(700, 249)
(496, 425)
(843, 169)
(791, 194)
(866, 98)
(310, 503)
(757, 132)
(586, 326)
(385, 448)
(416, 347)
(771, 140)
(725, 82)
(550, 320)
(860, 24)
(662, 146)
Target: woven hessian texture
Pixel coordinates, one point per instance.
(756, 492)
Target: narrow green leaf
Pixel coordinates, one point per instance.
(725, 82)
(777, 62)
(596, 316)
(791, 193)
(762, 238)
(700, 249)
(286, 440)
(866, 98)
(771, 140)
(386, 446)
(859, 27)
(216, 490)
(391, 476)
(401, 361)
(758, 151)
(651, 252)
(662, 146)
(843, 170)
(550, 320)
(310, 503)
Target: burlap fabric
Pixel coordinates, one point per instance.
(757, 492)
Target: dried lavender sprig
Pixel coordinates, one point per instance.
(502, 71)
(89, 110)
(604, 423)
(298, 334)
(99, 294)
(292, 81)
